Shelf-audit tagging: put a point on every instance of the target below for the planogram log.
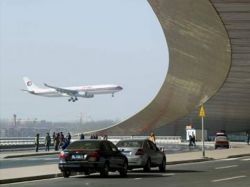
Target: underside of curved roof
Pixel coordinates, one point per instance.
(229, 108)
(199, 63)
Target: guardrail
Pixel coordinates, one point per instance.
(30, 140)
(159, 139)
(19, 141)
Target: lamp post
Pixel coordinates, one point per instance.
(202, 115)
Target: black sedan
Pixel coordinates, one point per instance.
(89, 156)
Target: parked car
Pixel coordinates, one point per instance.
(91, 156)
(221, 140)
(142, 153)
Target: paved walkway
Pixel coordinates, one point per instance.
(9, 175)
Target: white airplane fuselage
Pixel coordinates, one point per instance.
(72, 92)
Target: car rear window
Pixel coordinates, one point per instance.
(221, 138)
(84, 145)
(129, 144)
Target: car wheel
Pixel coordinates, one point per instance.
(105, 170)
(123, 172)
(162, 167)
(147, 167)
(66, 173)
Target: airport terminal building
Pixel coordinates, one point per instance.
(209, 64)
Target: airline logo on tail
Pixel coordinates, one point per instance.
(72, 92)
(29, 83)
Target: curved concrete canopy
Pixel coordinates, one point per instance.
(229, 108)
(200, 58)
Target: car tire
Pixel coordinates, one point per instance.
(147, 167)
(162, 167)
(123, 172)
(105, 170)
(66, 173)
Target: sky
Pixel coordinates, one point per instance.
(80, 42)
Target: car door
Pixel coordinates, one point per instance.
(116, 159)
(155, 154)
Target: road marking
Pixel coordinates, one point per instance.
(168, 174)
(225, 167)
(246, 159)
(228, 159)
(231, 178)
(137, 178)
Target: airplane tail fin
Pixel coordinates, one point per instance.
(30, 85)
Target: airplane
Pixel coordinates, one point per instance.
(72, 92)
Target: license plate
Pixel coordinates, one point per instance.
(77, 157)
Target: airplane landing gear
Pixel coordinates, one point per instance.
(73, 99)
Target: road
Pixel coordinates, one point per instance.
(224, 173)
(52, 159)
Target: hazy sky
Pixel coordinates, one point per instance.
(80, 42)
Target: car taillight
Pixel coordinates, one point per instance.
(94, 156)
(139, 152)
(63, 155)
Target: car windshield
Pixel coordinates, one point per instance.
(84, 145)
(129, 143)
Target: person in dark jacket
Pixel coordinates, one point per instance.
(47, 142)
(37, 142)
(68, 137)
(57, 142)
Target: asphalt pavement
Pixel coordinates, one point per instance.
(28, 166)
(228, 172)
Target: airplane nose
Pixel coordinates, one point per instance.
(119, 88)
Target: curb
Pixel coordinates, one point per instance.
(27, 155)
(23, 179)
(190, 161)
(237, 156)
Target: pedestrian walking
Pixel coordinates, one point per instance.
(193, 140)
(37, 142)
(190, 140)
(68, 137)
(61, 138)
(47, 142)
(81, 136)
(56, 142)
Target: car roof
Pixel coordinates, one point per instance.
(137, 139)
(91, 140)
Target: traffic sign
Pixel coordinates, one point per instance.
(202, 112)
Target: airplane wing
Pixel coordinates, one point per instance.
(63, 90)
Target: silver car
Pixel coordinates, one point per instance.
(142, 153)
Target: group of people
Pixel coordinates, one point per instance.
(59, 141)
(93, 136)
